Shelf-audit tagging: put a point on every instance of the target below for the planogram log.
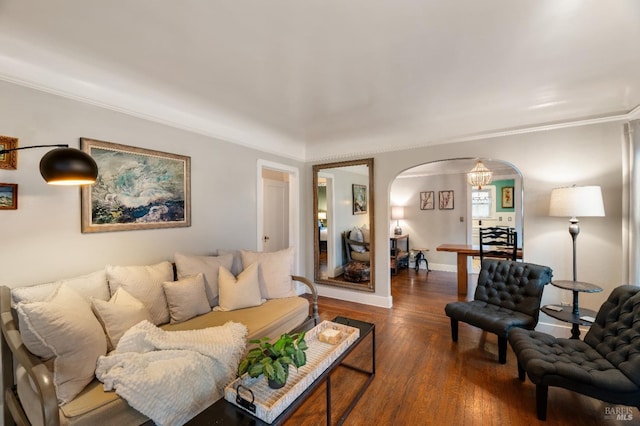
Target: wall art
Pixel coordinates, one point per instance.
(8, 160)
(446, 200)
(359, 198)
(427, 200)
(136, 188)
(8, 196)
(507, 197)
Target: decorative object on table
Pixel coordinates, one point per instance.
(574, 202)
(137, 188)
(397, 213)
(322, 218)
(273, 360)
(331, 336)
(61, 166)
(426, 200)
(8, 196)
(446, 200)
(9, 159)
(479, 176)
(507, 197)
(359, 198)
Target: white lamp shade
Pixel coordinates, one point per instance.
(397, 212)
(576, 201)
(322, 215)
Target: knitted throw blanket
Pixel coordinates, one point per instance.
(170, 376)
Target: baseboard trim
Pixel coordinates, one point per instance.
(350, 296)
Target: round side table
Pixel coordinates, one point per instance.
(575, 314)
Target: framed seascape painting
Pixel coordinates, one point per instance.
(446, 200)
(8, 160)
(359, 198)
(8, 196)
(426, 200)
(136, 188)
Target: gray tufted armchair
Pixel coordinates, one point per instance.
(508, 295)
(606, 365)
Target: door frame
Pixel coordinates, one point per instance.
(294, 206)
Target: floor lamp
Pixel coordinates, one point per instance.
(574, 202)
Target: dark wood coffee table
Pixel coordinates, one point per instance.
(225, 413)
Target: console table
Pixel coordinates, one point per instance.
(575, 314)
(399, 258)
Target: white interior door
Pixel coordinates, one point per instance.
(276, 214)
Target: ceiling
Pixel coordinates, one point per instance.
(318, 79)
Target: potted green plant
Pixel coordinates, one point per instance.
(273, 360)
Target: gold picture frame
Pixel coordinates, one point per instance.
(8, 160)
(136, 188)
(8, 196)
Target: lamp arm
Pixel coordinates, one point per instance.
(4, 151)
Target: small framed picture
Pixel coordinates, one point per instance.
(446, 200)
(8, 196)
(507, 197)
(8, 160)
(359, 198)
(426, 200)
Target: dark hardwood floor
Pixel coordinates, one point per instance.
(423, 378)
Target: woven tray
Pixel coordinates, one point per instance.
(269, 403)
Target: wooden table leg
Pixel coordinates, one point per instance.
(462, 274)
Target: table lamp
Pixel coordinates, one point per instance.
(397, 213)
(574, 202)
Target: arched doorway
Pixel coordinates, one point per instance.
(420, 189)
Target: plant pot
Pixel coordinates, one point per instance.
(273, 384)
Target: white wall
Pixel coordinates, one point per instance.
(581, 155)
(41, 241)
(430, 228)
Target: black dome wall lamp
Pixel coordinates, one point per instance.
(64, 165)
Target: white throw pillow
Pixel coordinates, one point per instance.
(243, 292)
(187, 298)
(67, 331)
(356, 235)
(366, 235)
(88, 286)
(236, 268)
(145, 284)
(119, 314)
(187, 265)
(274, 272)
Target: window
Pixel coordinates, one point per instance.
(481, 204)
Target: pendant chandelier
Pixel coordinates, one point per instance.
(479, 175)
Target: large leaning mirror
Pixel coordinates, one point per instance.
(343, 209)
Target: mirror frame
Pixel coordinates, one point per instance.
(365, 286)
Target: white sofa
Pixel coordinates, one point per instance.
(34, 394)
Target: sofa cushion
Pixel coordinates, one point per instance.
(241, 292)
(145, 284)
(119, 314)
(67, 331)
(188, 265)
(236, 266)
(274, 272)
(186, 298)
(88, 286)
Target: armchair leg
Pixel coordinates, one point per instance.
(521, 372)
(502, 350)
(454, 329)
(542, 392)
